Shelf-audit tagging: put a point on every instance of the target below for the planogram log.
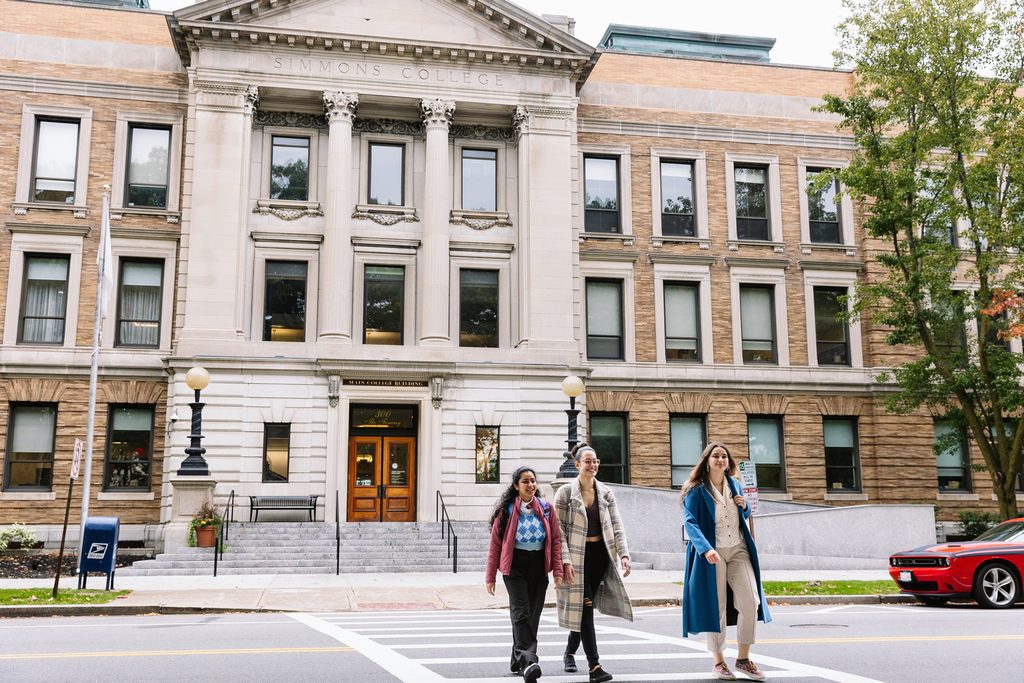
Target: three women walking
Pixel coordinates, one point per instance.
(721, 562)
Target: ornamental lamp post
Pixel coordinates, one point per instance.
(572, 386)
(195, 465)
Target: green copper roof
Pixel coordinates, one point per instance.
(663, 41)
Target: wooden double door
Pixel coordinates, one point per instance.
(381, 479)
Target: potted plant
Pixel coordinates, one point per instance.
(202, 530)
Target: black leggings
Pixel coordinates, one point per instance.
(595, 566)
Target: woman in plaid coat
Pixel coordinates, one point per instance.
(593, 544)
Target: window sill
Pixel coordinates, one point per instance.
(125, 495)
(22, 208)
(701, 242)
(808, 247)
(777, 497)
(385, 215)
(481, 220)
(287, 210)
(27, 495)
(735, 244)
(119, 213)
(626, 240)
(848, 496)
(963, 495)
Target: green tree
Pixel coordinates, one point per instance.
(939, 162)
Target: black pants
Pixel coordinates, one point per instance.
(595, 566)
(526, 584)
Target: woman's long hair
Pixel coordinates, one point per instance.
(701, 473)
(507, 496)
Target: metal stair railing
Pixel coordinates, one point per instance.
(441, 515)
(337, 535)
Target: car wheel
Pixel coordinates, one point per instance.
(996, 586)
(931, 601)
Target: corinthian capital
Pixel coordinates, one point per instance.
(521, 121)
(340, 105)
(437, 112)
(250, 98)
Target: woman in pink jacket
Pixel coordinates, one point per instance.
(525, 546)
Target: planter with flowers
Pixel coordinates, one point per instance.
(202, 530)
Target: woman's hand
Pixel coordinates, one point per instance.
(559, 580)
(740, 501)
(711, 556)
(626, 566)
(568, 574)
(490, 588)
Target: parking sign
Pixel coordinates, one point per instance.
(76, 462)
(748, 479)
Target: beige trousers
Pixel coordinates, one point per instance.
(736, 570)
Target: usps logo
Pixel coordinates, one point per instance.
(97, 551)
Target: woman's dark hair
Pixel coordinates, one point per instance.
(578, 449)
(507, 496)
(699, 475)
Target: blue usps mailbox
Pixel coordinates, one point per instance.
(99, 549)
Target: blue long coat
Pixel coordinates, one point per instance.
(700, 593)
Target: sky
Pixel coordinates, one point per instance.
(804, 30)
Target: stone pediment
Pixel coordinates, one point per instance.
(451, 31)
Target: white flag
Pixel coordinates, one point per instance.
(105, 260)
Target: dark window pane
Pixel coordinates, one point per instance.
(384, 292)
(284, 311)
(823, 210)
(478, 308)
(129, 448)
(831, 333)
(276, 444)
(56, 161)
(951, 457)
(601, 194)
(682, 321)
(841, 456)
(677, 198)
(757, 322)
(387, 170)
(148, 165)
(488, 463)
(479, 180)
(604, 319)
(44, 299)
(751, 185)
(608, 437)
(289, 168)
(140, 301)
(30, 438)
(688, 435)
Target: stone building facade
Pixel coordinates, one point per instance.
(389, 229)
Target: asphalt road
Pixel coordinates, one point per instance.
(847, 644)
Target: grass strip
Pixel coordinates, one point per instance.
(44, 596)
(784, 588)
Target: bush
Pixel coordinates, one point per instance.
(17, 533)
(973, 524)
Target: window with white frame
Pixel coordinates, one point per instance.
(31, 433)
(682, 310)
(289, 167)
(479, 179)
(826, 214)
(605, 190)
(842, 457)
(688, 438)
(604, 319)
(764, 441)
(140, 302)
(760, 332)
(44, 299)
(284, 301)
(753, 199)
(682, 321)
(679, 193)
(757, 323)
(129, 457)
(385, 292)
(386, 173)
(147, 162)
(383, 304)
(951, 458)
(53, 162)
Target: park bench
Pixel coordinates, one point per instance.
(257, 503)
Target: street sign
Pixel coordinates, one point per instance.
(748, 479)
(76, 462)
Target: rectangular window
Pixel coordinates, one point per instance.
(284, 301)
(832, 334)
(677, 202)
(148, 166)
(951, 457)
(140, 301)
(30, 437)
(479, 180)
(757, 323)
(478, 308)
(387, 174)
(56, 161)
(384, 288)
(289, 168)
(751, 184)
(682, 321)
(601, 194)
(604, 319)
(823, 210)
(44, 299)
(609, 437)
(276, 447)
(688, 437)
(129, 462)
(842, 460)
(764, 439)
(488, 453)
(950, 322)
(936, 221)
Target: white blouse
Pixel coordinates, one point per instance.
(727, 517)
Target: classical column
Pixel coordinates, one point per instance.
(335, 313)
(433, 273)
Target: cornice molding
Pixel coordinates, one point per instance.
(60, 86)
(685, 259)
(49, 228)
(688, 132)
(742, 262)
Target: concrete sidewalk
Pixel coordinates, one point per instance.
(350, 592)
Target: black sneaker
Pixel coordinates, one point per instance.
(531, 673)
(599, 675)
(569, 663)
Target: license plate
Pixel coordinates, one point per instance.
(906, 576)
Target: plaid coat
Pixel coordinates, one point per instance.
(611, 598)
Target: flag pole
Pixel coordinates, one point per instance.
(102, 260)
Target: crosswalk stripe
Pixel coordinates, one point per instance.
(604, 657)
(507, 642)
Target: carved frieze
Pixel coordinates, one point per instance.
(390, 126)
(365, 213)
(482, 220)
(490, 133)
(288, 119)
(287, 213)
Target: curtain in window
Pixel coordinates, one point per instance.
(766, 450)
(140, 304)
(687, 438)
(681, 322)
(45, 300)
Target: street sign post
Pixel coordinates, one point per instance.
(748, 480)
(76, 464)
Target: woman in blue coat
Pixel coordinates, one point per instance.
(723, 578)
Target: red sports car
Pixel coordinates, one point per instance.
(989, 568)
